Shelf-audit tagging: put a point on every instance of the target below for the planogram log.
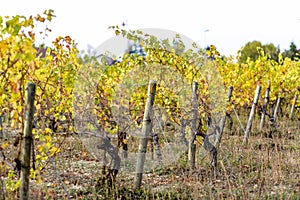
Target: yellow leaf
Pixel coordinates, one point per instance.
(32, 173)
(38, 107)
(38, 157)
(47, 146)
(4, 145)
(48, 130)
(14, 114)
(13, 124)
(63, 118)
(71, 128)
(199, 139)
(54, 150)
(48, 138)
(117, 32)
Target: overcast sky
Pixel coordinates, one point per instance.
(228, 24)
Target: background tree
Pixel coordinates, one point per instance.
(271, 51)
(250, 50)
(291, 53)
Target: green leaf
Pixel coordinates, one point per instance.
(117, 32)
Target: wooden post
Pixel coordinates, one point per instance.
(146, 131)
(252, 113)
(276, 108)
(266, 101)
(1, 127)
(26, 141)
(157, 147)
(293, 106)
(183, 124)
(223, 120)
(192, 145)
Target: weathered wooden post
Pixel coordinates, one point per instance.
(266, 101)
(1, 127)
(157, 147)
(27, 141)
(293, 106)
(223, 120)
(277, 107)
(192, 145)
(146, 131)
(183, 126)
(252, 113)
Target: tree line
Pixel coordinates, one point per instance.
(251, 51)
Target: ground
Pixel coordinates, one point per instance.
(266, 168)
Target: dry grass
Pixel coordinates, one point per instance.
(266, 168)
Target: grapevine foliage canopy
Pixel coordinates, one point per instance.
(111, 96)
(53, 70)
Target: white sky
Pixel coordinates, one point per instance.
(231, 23)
